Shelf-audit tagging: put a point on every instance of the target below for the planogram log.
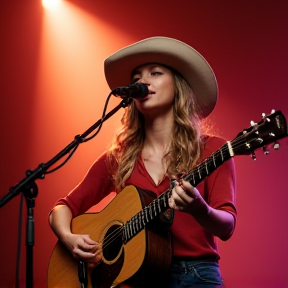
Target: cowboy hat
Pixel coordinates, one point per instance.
(172, 53)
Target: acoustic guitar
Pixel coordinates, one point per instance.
(133, 228)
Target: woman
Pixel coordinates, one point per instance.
(161, 140)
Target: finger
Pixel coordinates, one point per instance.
(180, 194)
(171, 203)
(85, 256)
(189, 189)
(87, 247)
(87, 244)
(91, 257)
(88, 240)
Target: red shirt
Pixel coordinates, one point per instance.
(189, 239)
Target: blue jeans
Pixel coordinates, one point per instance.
(196, 273)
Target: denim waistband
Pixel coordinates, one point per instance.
(188, 264)
(191, 260)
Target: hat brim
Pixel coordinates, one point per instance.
(169, 52)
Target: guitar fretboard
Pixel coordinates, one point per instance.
(209, 165)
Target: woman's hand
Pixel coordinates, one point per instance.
(83, 248)
(186, 198)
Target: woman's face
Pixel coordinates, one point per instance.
(161, 87)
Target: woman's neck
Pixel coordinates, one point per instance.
(158, 133)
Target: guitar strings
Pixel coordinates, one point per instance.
(118, 232)
(236, 143)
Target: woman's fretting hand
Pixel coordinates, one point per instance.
(187, 198)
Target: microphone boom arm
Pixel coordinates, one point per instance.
(40, 171)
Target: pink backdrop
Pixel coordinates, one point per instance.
(53, 88)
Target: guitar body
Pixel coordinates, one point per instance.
(147, 253)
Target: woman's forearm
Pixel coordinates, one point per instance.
(218, 222)
(60, 221)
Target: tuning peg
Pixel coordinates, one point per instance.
(272, 111)
(265, 150)
(253, 156)
(252, 123)
(264, 116)
(276, 145)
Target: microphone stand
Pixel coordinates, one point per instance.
(29, 188)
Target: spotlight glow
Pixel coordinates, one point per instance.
(50, 3)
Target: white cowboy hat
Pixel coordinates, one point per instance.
(172, 53)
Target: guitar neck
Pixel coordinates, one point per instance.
(210, 164)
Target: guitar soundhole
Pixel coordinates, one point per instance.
(112, 242)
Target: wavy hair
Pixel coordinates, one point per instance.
(185, 146)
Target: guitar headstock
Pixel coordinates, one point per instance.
(270, 129)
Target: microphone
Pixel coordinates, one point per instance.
(136, 91)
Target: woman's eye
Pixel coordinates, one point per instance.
(156, 73)
(134, 80)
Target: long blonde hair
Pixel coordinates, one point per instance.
(185, 147)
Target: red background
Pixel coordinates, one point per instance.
(53, 88)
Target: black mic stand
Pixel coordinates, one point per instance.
(29, 188)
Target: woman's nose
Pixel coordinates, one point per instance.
(144, 80)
